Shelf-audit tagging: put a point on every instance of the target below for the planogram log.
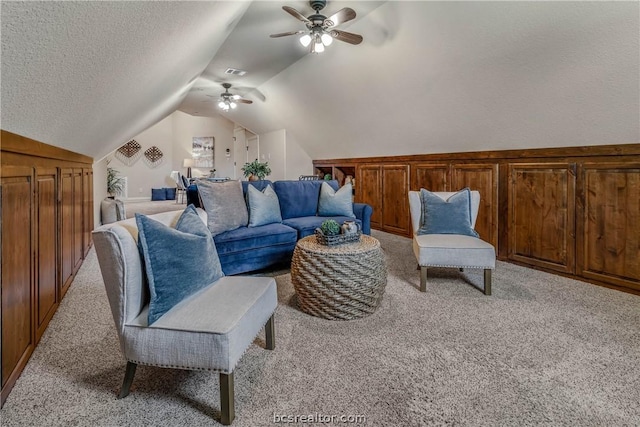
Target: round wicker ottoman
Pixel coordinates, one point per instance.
(341, 282)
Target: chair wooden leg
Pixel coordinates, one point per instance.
(423, 278)
(270, 333)
(227, 401)
(487, 281)
(128, 379)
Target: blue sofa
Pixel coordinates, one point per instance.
(252, 248)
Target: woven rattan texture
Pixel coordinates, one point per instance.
(341, 282)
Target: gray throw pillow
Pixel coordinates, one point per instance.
(335, 203)
(451, 216)
(264, 207)
(224, 204)
(178, 261)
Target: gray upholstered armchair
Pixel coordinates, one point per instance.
(450, 250)
(209, 330)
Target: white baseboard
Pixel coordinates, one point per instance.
(137, 199)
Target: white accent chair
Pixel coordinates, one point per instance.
(208, 331)
(181, 190)
(450, 250)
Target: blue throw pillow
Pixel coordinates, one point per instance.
(178, 262)
(451, 216)
(170, 193)
(264, 207)
(158, 194)
(336, 203)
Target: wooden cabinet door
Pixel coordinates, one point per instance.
(609, 223)
(47, 288)
(369, 190)
(18, 339)
(395, 199)
(66, 228)
(483, 178)
(87, 206)
(430, 176)
(541, 215)
(78, 211)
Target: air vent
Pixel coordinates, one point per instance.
(235, 72)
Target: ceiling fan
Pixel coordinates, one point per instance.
(320, 29)
(228, 100)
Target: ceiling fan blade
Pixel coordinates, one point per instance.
(340, 17)
(291, 11)
(346, 36)
(244, 101)
(290, 33)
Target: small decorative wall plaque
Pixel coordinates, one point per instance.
(153, 157)
(129, 153)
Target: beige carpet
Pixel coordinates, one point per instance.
(542, 350)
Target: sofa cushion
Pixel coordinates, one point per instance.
(451, 216)
(306, 225)
(336, 203)
(169, 256)
(224, 204)
(263, 206)
(299, 198)
(248, 238)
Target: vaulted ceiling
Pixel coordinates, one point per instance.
(429, 76)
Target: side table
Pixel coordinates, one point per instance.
(341, 282)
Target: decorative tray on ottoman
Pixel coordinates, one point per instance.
(336, 239)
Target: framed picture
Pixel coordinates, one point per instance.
(202, 151)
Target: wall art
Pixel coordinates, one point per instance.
(129, 153)
(202, 151)
(153, 157)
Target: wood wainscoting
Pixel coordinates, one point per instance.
(46, 214)
(573, 210)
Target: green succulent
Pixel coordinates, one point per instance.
(330, 227)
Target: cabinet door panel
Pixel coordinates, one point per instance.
(47, 279)
(610, 224)
(542, 215)
(17, 270)
(483, 178)
(87, 209)
(78, 232)
(395, 199)
(369, 190)
(430, 176)
(66, 227)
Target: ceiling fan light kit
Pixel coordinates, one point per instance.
(320, 32)
(228, 101)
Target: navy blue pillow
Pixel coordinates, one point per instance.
(158, 194)
(170, 193)
(451, 216)
(178, 261)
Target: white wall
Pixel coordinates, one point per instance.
(297, 160)
(187, 126)
(287, 159)
(141, 178)
(173, 136)
(272, 150)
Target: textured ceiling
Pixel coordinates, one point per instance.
(429, 76)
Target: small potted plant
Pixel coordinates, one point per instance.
(115, 183)
(330, 227)
(256, 171)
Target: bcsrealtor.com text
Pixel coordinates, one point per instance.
(317, 418)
